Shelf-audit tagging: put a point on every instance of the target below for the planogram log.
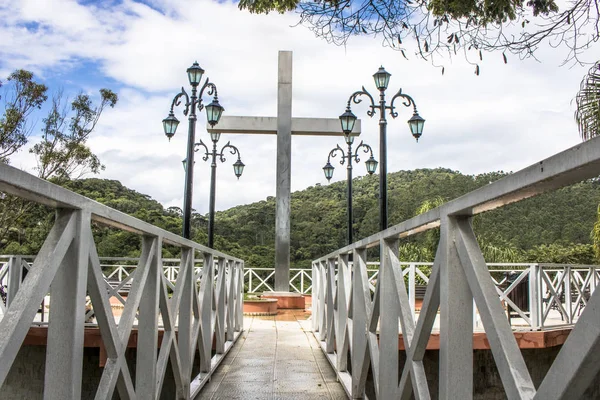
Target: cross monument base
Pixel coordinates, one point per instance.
(287, 300)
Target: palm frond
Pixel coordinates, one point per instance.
(587, 114)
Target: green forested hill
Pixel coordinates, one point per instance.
(554, 227)
(559, 218)
(26, 235)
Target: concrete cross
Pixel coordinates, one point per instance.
(284, 126)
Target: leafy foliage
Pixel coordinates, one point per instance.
(595, 235)
(561, 254)
(506, 234)
(35, 225)
(550, 228)
(22, 97)
(61, 154)
(587, 114)
(449, 26)
(501, 253)
(62, 151)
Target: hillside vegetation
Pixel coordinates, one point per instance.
(554, 227)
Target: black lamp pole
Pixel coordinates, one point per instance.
(348, 158)
(382, 79)
(214, 155)
(213, 113)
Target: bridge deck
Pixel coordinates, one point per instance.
(277, 358)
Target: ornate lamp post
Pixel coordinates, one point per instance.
(213, 114)
(382, 79)
(347, 158)
(238, 168)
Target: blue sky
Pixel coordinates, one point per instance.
(505, 119)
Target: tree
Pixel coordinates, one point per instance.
(21, 98)
(587, 114)
(557, 253)
(552, 227)
(62, 151)
(595, 235)
(432, 236)
(61, 154)
(449, 26)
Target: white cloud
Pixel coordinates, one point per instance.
(507, 118)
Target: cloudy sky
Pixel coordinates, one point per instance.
(505, 119)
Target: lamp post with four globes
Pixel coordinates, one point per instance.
(214, 111)
(348, 158)
(238, 168)
(347, 119)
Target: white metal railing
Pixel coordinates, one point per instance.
(191, 306)
(545, 295)
(258, 280)
(118, 273)
(358, 321)
(533, 295)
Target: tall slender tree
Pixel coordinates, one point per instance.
(587, 114)
(61, 154)
(21, 97)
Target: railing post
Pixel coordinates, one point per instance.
(328, 334)
(250, 281)
(15, 276)
(388, 326)
(567, 291)
(206, 297)
(322, 293)
(411, 287)
(64, 351)
(220, 307)
(147, 345)
(344, 285)
(361, 311)
(184, 326)
(543, 291)
(240, 295)
(231, 300)
(535, 297)
(475, 313)
(315, 297)
(456, 321)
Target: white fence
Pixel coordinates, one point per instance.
(545, 295)
(119, 273)
(358, 321)
(258, 280)
(533, 296)
(201, 304)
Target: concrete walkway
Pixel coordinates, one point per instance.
(276, 358)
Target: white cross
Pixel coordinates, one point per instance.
(284, 126)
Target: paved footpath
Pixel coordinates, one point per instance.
(276, 358)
